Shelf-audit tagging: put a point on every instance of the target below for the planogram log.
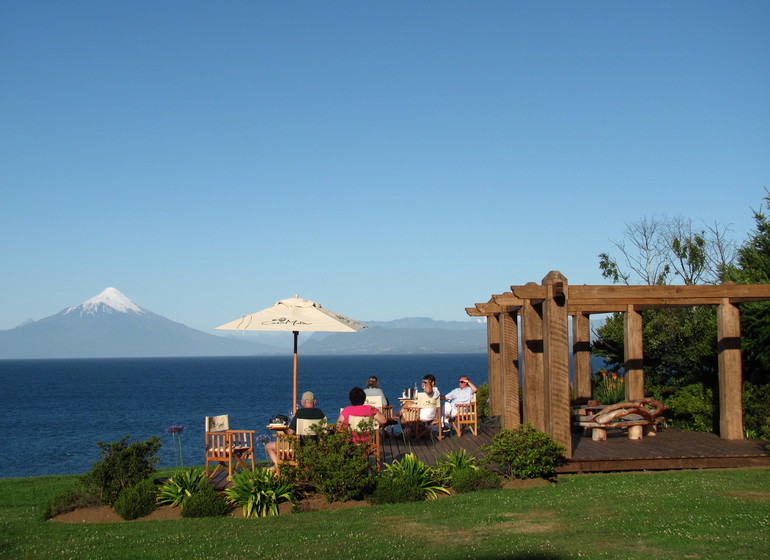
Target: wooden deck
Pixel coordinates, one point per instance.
(668, 450)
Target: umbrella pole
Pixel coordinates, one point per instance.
(294, 400)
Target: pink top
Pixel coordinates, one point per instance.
(358, 410)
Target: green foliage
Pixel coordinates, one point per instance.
(416, 473)
(524, 453)
(259, 492)
(691, 407)
(756, 410)
(178, 488)
(69, 500)
(753, 267)
(136, 501)
(482, 401)
(466, 480)
(609, 388)
(122, 465)
(452, 461)
(336, 465)
(391, 490)
(205, 502)
(680, 345)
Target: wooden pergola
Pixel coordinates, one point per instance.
(537, 315)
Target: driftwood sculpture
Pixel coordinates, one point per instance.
(639, 417)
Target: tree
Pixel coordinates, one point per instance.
(753, 267)
(679, 343)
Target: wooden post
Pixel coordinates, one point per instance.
(633, 354)
(494, 360)
(533, 386)
(581, 355)
(730, 378)
(556, 360)
(509, 349)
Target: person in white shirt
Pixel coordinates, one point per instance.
(461, 395)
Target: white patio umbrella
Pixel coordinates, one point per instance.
(295, 315)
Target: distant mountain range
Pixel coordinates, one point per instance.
(111, 325)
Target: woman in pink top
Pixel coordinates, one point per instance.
(358, 408)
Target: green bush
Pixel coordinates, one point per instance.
(205, 502)
(399, 490)
(450, 462)
(692, 408)
(180, 487)
(122, 465)
(412, 471)
(337, 466)
(756, 410)
(70, 500)
(259, 492)
(524, 453)
(482, 402)
(136, 501)
(472, 479)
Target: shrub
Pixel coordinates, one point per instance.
(482, 402)
(337, 466)
(450, 462)
(392, 490)
(524, 453)
(205, 502)
(136, 501)
(70, 500)
(692, 408)
(259, 492)
(122, 465)
(756, 410)
(182, 486)
(473, 479)
(412, 471)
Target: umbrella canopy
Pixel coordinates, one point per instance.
(294, 314)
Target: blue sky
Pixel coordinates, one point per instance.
(386, 159)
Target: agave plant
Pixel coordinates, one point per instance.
(411, 469)
(259, 492)
(180, 487)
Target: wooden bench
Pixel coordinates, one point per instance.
(640, 418)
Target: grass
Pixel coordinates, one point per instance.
(709, 514)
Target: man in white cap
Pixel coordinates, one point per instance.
(307, 412)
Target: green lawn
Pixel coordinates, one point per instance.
(707, 514)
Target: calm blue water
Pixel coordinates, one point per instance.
(56, 410)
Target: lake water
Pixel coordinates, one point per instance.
(56, 410)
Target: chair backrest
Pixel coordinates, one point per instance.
(356, 421)
(424, 401)
(303, 426)
(219, 423)
(376, 401)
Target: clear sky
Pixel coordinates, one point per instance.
(386, 159)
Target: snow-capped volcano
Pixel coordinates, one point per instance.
(108, 301)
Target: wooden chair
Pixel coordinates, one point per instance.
(375, 447)
(286, 445)
(226, 447)
(465, 415)
(379, 403)
(424, 401)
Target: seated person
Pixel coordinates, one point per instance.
(430, 389)
(307, 412)
(461, 395)
(373, 389)
(357, 407)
